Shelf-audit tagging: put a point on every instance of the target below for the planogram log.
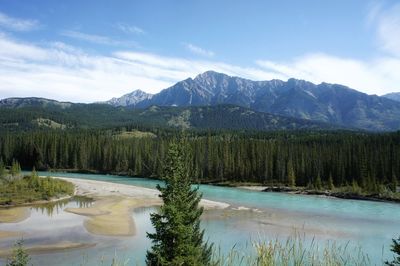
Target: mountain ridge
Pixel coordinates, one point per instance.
(106, 116)
(393, 96)
(324, 102)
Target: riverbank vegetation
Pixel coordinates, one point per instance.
(295, 250)
(16, 188)
(348, 162)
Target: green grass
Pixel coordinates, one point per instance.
(20, 190)
(294, 251)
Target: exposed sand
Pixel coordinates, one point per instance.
(254, 188)
(7, 234)
(50, 248)
(95, 189)
(111, 214)
(14, 215)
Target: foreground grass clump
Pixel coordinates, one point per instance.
(19, 190)
(294, 251)
(19, 256)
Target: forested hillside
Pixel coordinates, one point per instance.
(367, 160)
(36, 113)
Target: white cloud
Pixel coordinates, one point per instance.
(65, 72)
(17, 24)
(130, 28)
(389, 30)
(377, 76)
(198, 50)
(99, 39)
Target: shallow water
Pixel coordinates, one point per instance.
(370, 225)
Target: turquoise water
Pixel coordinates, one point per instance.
(370, 225)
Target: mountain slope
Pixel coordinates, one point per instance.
(330, 103)
(130, 99)
(393, 96)
(40, 114)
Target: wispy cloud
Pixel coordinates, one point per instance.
(98, 39)
(63, 72)
(17, 24)
(130, 28)
(376, 76)
(198, 50)
(386, 21)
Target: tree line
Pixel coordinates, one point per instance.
(319, 159)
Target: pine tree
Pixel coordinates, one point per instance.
(15, 168)
(291, 175)
(318, 182)
(396, 249)
(393, 183)
(19, 255)
(178, 239)
(331, 186)
(2, 168)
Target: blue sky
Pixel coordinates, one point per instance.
(93, 50)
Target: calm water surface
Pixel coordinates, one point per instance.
(370, 225)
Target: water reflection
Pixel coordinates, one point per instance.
(56, 207)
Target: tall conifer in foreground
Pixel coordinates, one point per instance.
(178, 239)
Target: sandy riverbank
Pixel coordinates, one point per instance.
(14, 215)
(111, 214)
(55, 247)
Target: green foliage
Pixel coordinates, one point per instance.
(331, 186)
(294, 251)
(318, 182)
(291, 175)
(393, 183)
(19, 256)
(396, 249)
(2, 169)
(178, 239)
(15, 168)
(33, 188)
(229, 156)
(81, 116)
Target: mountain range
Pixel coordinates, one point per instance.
(216, 100)
(329, 103)
(393, 96)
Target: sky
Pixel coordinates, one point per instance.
(93, 50)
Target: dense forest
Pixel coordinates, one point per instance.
(283, 158)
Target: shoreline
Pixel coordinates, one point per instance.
(111, 212)
(327, 193)
(254, 186)
(97, 188)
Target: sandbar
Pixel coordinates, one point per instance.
(14, 214)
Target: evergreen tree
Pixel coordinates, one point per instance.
(291, 175)
(2, 168)
(331, 186)
(318, 182)
(15, 168)
(393, 183)
(396, 249)
(178, 239)
(19, 256)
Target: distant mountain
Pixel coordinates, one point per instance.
(41, 114)
(130, 99)
(31, 102)
(393, 96)
(330, 103)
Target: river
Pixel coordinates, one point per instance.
(252, 216)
